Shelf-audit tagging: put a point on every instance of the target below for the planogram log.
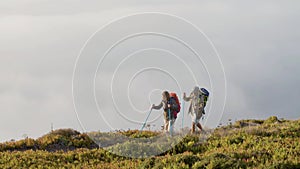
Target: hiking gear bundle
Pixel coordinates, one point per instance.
(203, 97)
(205, 94)
(174, 96)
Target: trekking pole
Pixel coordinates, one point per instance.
(146, 120)
(182, 114)
(170, 122)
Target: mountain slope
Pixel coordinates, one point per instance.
(270, 143)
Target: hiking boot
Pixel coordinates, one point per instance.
(192, 132)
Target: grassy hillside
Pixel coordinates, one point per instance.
(270, 143)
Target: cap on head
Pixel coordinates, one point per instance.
(196, 88)
(166, 95)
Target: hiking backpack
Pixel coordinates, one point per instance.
(205, 94)
(174, 96)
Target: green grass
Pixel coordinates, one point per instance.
(272, 143)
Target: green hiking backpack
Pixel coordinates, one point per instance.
(204, 94)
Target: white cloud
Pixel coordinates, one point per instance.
(40, 40)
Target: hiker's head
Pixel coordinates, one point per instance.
(196, 89)
(165, 95)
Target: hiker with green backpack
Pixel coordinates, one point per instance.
(198, 99)
(171, 107)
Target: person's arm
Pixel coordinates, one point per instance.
(187, 98)
(158, 106)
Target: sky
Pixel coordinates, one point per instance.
(50, 69)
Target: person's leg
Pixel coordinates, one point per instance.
(166, 122)
(199, 115)
(171, 125)
(166, 126)
(199, 126)
(193, 123)
(193, 127)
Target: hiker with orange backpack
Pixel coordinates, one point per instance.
(171, 107)
(198, 99)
